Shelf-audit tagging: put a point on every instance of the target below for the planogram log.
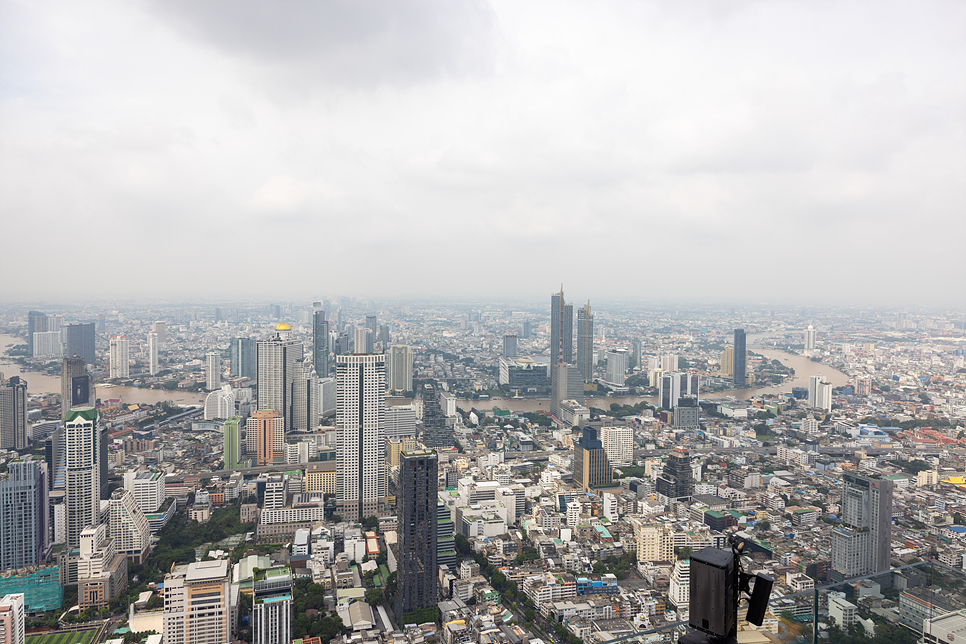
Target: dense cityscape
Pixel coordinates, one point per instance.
(366, 471)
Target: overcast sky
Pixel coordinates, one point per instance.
(807, 151)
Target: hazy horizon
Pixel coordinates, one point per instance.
(737, 154)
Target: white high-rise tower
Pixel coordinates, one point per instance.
(153, 354)
(360, 422)
(213, 370)
(120, 357)
(82, 445)
(276, 368)
(400, 368)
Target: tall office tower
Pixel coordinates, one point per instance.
(161, 329)
(36, 323)
(617, 366)
(268, 428)
(618, 444)
(567, 385)
(213, 370)
(101, 323)
(436, 433)
(129, 527)
(13, 413)
(674, 386)
(360, 422)
(232, 443)
(416, 512)
(810, 338)
(592, 469)
(510, 345)
(272, 608)
(585, 343)
(372, 323)
(24, 516)
(153, 354)
(82, 451)
(384, 336)
(218, 316)
(726, 362)
(861, 545)
(79, 341)
(120, 357)
(320, 343)
(363, 340)
(327, 388)
(400, 368)
(243, 358)
(739, 373)
(306, 409)
(561, 330)
(677, 479)
(276, 372)
(55, 456)
(525, 330)
(197, 603)
(13, 619)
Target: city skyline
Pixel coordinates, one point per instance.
(694, 127)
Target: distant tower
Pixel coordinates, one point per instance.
(76, 389)
(400, 368)
(417, 505)
(810, 338)
(79, 341)
(306, 406)
(372, 323)
(276, 372)
(153, 354)
(213, 370)
(161, 329)
(585, 343)
(510, 345)
(738, 372)
(36, 323)
(243, 358)
(561, 346)
(360, 435)
(320, 343)
(617, 366)
(13, 413)
(436, 433)
(525, 331)
(363, 340)
(83, 477)
(120, 357)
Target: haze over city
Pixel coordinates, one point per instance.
(790, 152)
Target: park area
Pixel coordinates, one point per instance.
(73, 637)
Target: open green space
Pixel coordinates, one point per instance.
(75, 637)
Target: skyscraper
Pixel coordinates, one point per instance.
(616, 366)
(417, 505)
(129, 527)
(739, 370)
(525, 330)
(510, 345)
(79, 341)
(360, 434)
(306, 409)
(213, 370)
(120, 360)
(400, 368)
(243, 358)
(861, 545)
(24, 515)
(272, 609)
(232, 443)
(197, 603)
(567, 384)
(161, 329)
(372, 323)
(13, 619)
(36, 323)
(819, 393)
(674, 386)
(82, 451)
(13, 413)
(677, 479)
(362, 340)
(277, 371)
(153, 354)
(561, 329)
(592, 469)
(436, 433)
(585, 343)
(810, 338)
(320, 343)
(268, 428)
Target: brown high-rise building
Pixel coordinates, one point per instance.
(269, 430)
(592, 469)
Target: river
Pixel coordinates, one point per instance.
(41, 383)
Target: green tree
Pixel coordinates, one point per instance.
(374, 596)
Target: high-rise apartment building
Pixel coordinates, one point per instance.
(197, 604)
(726, 362)
(48, 344)
(161, 330)
(616, 367)
(213, 370)
(810, 339)
(320, 343)
(13, 619)
(585, 343)
(677, 479)
(306, 409)
(232, 443)
(243, 358)
(79, 341)
(417, 505)
(119, 357)
(568, 384)
(272, 606)
(819, 393)
(129, 527)
(618, 444)
(525, 331)
(861, 545)
(13, 413)
(592, 468)
(24, 515)
(510, 345)
(268, 428)
(674, 386)
(360, 434)
(561, 329)
(400, 368)
(739, 373)
(436, 431)
(36, 323)
(277, 370)
(82, 451)
(147, 488)
(363, 340)
(153, 367)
